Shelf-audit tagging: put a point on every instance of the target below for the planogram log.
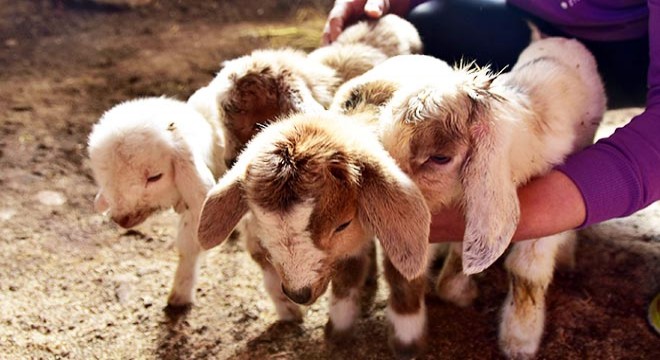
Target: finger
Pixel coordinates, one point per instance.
(325, 37)
(331, 30)
(376, 8)
(336, 27)
(335, 23)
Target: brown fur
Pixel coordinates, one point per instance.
(367, 98)
(404, 295)
(256, 89)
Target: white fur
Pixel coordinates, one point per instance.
(390, 34)
(522, 323)
(290, 244)
(168, 141)
(408, 327)
(285, 308)
(344, 311)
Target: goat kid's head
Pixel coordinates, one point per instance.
(319, 188)
(141, 162)
(259, 88)
(452, 137)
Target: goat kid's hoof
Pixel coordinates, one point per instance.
(518, 355)
(177, 311)
(336, 336)
(515, 350)
(403, 351)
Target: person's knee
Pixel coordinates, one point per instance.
(426, 14)
(427, 18)
(487, 31)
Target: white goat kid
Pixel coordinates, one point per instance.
(152, 154)
(318, 188)
(471, 138)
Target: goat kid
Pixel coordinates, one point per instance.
(152, 154)
(365, 44)
(471, 138)
(318, 188)
(254, 90)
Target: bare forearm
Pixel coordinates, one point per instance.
(548, 205)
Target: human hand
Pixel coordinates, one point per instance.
(346, 12)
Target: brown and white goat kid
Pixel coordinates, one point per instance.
(319, 187)
(471, 138)
(152, 154)
(254, 90)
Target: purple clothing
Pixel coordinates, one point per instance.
(621, 174)
(605, 20)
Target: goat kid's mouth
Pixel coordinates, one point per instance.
(133, 219)
(305, 296)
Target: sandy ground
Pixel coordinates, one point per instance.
(74, 285)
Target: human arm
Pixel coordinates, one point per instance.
(620, 175)
(548, 205)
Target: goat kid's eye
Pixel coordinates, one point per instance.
(439, 159)
(153, 179)
(342, 226)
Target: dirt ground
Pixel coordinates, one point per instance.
(74, 285)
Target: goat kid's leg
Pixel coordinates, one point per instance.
(406, 313)
(530, 266)
(185, 278)
(347, 285)
(286, 309)
(453, 285)
(566, 252)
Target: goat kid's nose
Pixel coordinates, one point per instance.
(300, 296)
(123, 221)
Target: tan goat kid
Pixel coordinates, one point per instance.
(319, 187)
(471, 138)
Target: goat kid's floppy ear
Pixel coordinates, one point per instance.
(192, 176)
(492, 210)
(224, 207)
(395, 209)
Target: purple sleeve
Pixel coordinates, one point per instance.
(621, 174)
